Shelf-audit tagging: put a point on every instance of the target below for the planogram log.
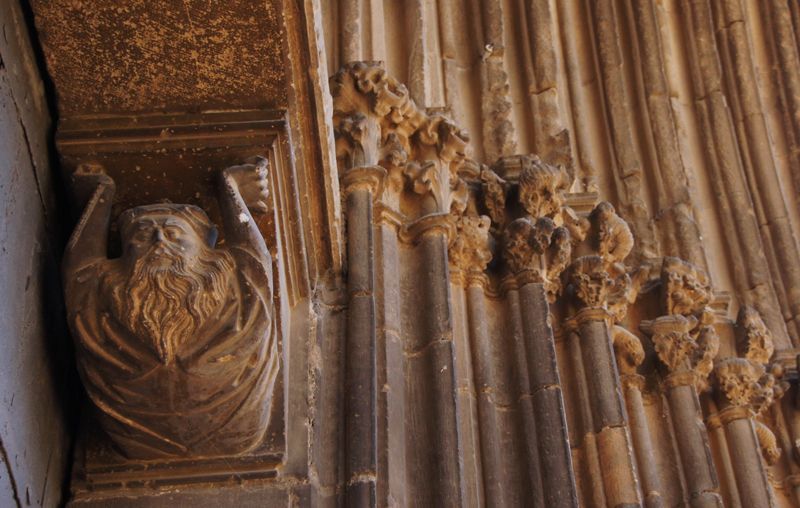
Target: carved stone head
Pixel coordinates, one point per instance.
(687, 289)
(541, 187)
(171, 280)
(757, 338)
(163, 233)
(174, 339)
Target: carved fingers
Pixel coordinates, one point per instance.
(251, 181)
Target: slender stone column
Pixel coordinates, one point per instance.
(360, 185)
(699, 471)
(730, 495)
(555, 456)
(597, 285)
(392, 467)
(630, 355)
(525, 249)
(686, 343)
(745, 389)
(525, 399)
(490, 471)
(609, 418)
(500, 447)
(591, 461)
(432, 445)
(395, 157)
(752, 482)
(687, 371)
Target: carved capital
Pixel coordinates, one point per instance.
(596, 284)
(750, 382)
(747, 384)
(377, 123)
(470, 250)
(686, 288)
(365, 87)
(683, 345)
(369, 178)
(538, 252)
(432, 224)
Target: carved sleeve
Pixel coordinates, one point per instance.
(241, 229)
(89, 240)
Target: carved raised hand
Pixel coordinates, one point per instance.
(251, 181)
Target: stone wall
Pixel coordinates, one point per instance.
(531, 253)
(34, 441)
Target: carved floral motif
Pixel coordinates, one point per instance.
(540, 251)
(749, 381)
(470, 249)
(746, 384)
(686, 288)
(377, 123)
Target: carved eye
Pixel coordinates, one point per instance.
(172, 232)
(142, 234)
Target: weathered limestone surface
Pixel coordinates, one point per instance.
(681, 114)
(36, 406)
(538, 253)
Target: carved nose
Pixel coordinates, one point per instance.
(158, 235)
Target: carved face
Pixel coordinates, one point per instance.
(541, 188)
(171, 281)
(162, 239)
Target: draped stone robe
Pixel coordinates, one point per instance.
(213, 399)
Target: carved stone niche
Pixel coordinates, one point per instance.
(179, 324)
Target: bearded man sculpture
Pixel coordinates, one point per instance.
(174, 339)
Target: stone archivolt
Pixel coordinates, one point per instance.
(509, 227)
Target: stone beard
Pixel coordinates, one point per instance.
(176, 350)
(167, 306)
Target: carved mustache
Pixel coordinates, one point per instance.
(161, 250)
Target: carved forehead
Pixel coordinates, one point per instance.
(186, 216)
(161, 219)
